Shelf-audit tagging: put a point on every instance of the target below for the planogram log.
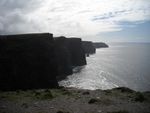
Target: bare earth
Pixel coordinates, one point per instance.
(71, 100)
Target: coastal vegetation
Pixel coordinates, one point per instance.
(72, 100)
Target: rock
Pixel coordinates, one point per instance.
(27, 61)
(86, 93)
(93, 100)
(88, 47)
(99, 111)
(100, 45)
(51, 107)
(36, 104)
(124, 89)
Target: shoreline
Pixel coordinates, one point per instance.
(73, 100)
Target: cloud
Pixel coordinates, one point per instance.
(71, 17)
(14, 16)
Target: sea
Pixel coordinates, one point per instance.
(120, 65)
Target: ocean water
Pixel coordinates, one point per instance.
(122, 64)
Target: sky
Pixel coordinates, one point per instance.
(96, 20)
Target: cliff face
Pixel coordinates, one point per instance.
(76, 51)
(63, 56)
(27, 62)
(69, 53)
(88, 47)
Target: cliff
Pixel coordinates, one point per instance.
(88, 47)
(63, 57)
(100, 45)
(33, 61)
(76, 51)
(27, 61)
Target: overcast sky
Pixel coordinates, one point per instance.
(98, 20)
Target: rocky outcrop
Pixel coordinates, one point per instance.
(88, 47)
(100, 45)
(27, 62)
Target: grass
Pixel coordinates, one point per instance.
(29, 95)
(124, 93)
(16, 95)
(25, 95)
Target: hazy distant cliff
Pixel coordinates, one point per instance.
(88, 47)
(100, 45)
